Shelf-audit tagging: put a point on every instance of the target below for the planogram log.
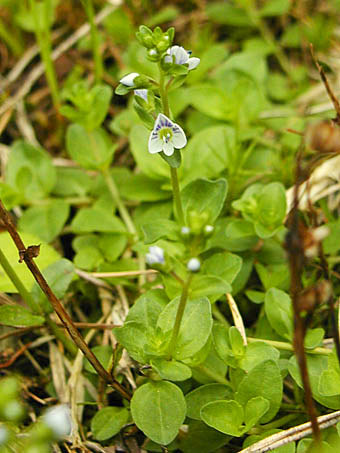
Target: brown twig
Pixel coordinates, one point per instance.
(329, 90)
(295, 250)
(57, 306)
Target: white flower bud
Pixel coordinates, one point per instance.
(208, 229)
(194, 265)
(58, 418)
(155, 255)
(185, 231)
(142, 94)
(129, 79)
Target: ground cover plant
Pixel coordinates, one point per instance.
(169, 226)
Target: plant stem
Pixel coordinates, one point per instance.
(118, 201)
(43, 35)
(289, 347)
(177, 195)
(179, 316)
(56, 304)
(12, 275)
(174, 177)
(10, 39)
(98, 63)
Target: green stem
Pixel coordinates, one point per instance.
(179, 316)
(58, 333)
(12, 275)
(289, 347)
(98, 63)
(276, 423)
(10, 39)
(211, 374)
(118, 201)
(43, 35)
(177, 195)
(218, 315)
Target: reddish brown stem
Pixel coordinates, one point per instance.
(56, 304)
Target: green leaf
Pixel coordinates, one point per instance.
(30, 171)
(222, 344)
(13, 315)
(256, 353)
(71, 182)
(210, 286)
(158, 409)
(278, 308)
(224, 265)
(204, 197)
(58, 276)
(201, 438)
(236, 342)
(273, 275)
(160, 228)
(271, 209)
(197, 317)
(46, 221)
(147, 308)
(104, 355)
(254, 410)
(263, 380)
(225, 13)
(91, 150)
(211, 101)
(329, 383)
(225, 416)
(203, 395)
(234, 235)
(134, 338)
(101, 97)
(47, 256)
(208, 153)
(314, 338)
(88, 220)
(174, 160)
(171, 369)
(275, 8)
(108, 422)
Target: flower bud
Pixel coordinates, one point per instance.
(197, 221)
(58, 419)
(208, 230)
(185, 231)
(145, 37)
(153, 55)
(194, 265)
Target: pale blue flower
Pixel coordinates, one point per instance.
(166, 136)
(142, 94)
(179, 55)
(128, 80)
(155, 255)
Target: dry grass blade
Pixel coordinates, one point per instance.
(291, 434)
(38, 71)
(238, 321)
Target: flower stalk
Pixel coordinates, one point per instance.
(179, 316)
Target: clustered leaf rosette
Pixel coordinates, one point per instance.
(166, 136)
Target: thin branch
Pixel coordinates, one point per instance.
(27, 257)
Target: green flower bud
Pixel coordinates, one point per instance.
(145, 37)
(197, 221)
(153, 55)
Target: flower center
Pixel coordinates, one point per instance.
(165, 134)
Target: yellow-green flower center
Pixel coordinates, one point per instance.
(165, 134)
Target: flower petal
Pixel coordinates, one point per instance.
(168, 148)
(162, 121)
(181, 55)
(179, 139)
(193, 63)
(155, 144)
(128, 79)
(142, 94)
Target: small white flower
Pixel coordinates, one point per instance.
(166, 136)
(128, 79)
(185, 230)
(194, 265)
(58, 418)
(142, 94)
(3, 434)
(155, 255)
(181, 56)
